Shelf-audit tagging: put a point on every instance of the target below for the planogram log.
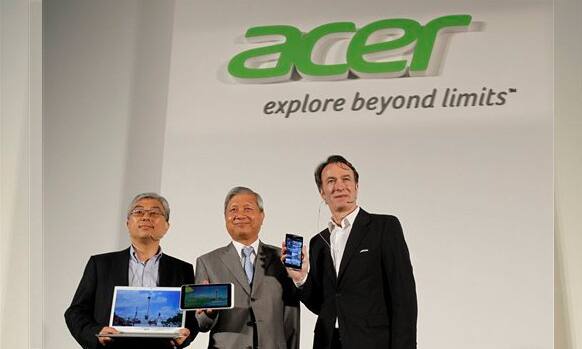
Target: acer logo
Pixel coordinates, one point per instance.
(386, 48)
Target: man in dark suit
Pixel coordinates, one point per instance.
(360, 282)
(142, 264)
(266, 308)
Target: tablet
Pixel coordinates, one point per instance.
(207, 296)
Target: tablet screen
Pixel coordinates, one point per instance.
(207, 296)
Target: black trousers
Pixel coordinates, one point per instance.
(336, 342)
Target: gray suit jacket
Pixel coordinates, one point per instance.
(266, 315)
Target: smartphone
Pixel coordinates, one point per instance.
(207, 296)
(294, 245)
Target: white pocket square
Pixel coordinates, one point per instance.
(364, 250)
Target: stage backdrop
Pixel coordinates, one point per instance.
(445, 109)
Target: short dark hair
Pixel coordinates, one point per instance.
(333, 159)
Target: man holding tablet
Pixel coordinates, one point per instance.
(141, 265)
(266, 310)
(207, 297)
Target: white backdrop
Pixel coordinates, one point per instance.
(85, 95)
(471, 185)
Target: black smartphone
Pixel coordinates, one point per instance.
(207, 296)
(294, 245)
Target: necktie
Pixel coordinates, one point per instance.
(248, 264)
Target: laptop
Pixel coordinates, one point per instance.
(146, 312)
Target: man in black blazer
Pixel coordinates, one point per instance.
(360, 281)
(142, 264)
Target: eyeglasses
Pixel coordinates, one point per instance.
(140, 212)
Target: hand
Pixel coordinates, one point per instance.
(184, 333)
(106, 330)
(296, 275)
(211, 313)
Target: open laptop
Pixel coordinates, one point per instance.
(146, 312)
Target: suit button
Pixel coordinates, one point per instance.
(251, 323)
(253, 299)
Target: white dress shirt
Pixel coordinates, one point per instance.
(338, 240)
(239, 247)
(339, 237)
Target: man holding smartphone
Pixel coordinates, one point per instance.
(293, 251)
(358, 278)
(266, 308)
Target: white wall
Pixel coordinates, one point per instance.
(20, 175)
(90, 50)
(476, 205)
(568, 176)
(105, 85)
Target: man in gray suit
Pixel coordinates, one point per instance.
(266, 308)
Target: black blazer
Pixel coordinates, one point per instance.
(90, 309)
(374, 295)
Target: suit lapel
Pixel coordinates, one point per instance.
(120, 268)
(264, 258)
(164, 272)
(231, 260)
(357, 233)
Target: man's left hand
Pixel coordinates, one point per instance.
(298, 276)
(184, 333)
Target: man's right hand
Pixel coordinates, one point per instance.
(298, 276)
(211, 313)
(106, 330)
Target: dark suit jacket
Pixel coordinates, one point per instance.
(374, 295)
(90, 309)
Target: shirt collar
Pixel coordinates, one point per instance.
(133, 254)
(240, 246)
(346, 222)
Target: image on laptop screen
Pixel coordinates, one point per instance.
(147, 308)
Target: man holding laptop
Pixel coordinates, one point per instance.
(90, 316)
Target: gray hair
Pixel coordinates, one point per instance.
(155, 196)
(242, 190)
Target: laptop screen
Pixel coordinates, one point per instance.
(146, 309)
